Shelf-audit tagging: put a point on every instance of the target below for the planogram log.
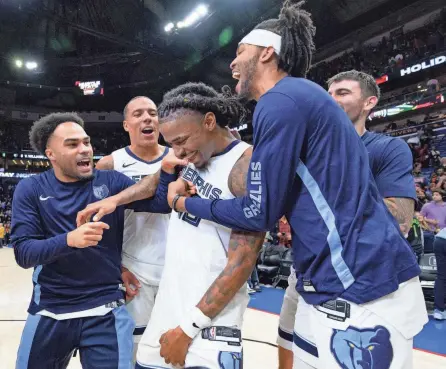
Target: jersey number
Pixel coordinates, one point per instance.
(189, 218)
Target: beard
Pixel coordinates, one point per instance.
(248, 69)
(74, 174)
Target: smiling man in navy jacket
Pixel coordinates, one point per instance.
(78, 297)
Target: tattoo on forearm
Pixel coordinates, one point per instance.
(402, 210)
(243, 250)
(144, 189)
(237, 177)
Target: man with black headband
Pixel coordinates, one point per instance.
(354, 268)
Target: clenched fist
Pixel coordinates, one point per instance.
(88, 234)
(170, 162)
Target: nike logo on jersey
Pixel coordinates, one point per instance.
(124, 165)
(195, 326)
(41, 198)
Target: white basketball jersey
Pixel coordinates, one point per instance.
(196, 253)
(145, 234)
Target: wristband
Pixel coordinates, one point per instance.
(174, 202)
(194, 322)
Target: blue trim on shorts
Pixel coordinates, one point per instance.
(124, 326)
(285, 335)
(305, 345)
(26, 341)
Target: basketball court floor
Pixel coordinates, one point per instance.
(259, 331)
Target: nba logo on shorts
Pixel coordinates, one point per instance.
(100, 192)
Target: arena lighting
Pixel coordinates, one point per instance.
(31, 65)
(18, 63)
(169, 27)
(195, 16)
(202, 10)
(199, 12)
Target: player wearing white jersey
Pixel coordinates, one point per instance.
(145, 234)
(202, 297)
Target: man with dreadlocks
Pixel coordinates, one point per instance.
(202, 296)
(354, 268)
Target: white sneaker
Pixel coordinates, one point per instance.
(251, 291)
(439, 315)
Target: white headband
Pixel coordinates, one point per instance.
(264, 38)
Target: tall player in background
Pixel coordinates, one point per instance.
(145, 234)
(391, 164)
(355, 270)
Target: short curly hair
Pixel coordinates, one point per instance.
(229, 110)
(42, 129)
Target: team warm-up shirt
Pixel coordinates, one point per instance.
(391, 164)
(68, 279)
(310, 164)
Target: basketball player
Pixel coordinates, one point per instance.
(355, 270)
(145, 234)
(77, 300)
(202, 295)
(391, 164)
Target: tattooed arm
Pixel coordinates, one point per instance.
(242, 255)
(144, 189)
(402, 210)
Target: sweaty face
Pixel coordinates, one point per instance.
(189, 138)
(141, 122)
(70, 152)
(244, 68)
(348, 95)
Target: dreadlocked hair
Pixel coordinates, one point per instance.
(296, 28)
(227, 108)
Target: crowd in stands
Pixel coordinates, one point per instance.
(389, 54)
(14, 137)
(6, 193)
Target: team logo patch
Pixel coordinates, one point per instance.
(230, 360)
(100, 192)
(362, 348)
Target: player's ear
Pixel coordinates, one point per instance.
(125, 126)
(210, 121)
(49, 154)
(370, 103)
(267, 54)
